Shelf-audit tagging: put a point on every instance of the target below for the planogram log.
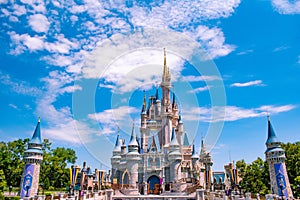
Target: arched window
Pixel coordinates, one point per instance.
(157, 162)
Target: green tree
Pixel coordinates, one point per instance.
(255, 176)
(11, 162)
(2, 181)
(54, 171)
(292, 152)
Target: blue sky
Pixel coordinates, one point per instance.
(82, 66)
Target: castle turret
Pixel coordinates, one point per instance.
(158, 103)
(175, 158)
(33, 157)
(275, 157)
(116, 158)
(206, 159)
(194, 156)
(133, 158)
(166, 110)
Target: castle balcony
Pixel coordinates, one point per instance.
(152, 124)
(153, 168)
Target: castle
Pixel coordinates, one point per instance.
(162, 157)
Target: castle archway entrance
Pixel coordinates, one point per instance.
(153, 185)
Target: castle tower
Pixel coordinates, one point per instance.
(133, 158)
(116, 158)
(33, 157)
(206, 159)
(175, 158)
(164, 133)
(275, 157)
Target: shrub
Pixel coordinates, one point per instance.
(12, 198)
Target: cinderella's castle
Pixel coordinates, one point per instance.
(162, 157)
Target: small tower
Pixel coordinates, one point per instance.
(175, 158)
(116, 158)
(206, 159)
(275, 157)
(33, 157)
(133, 158)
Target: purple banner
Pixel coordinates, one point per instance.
(280, 179)
(27, 181)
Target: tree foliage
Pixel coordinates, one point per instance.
(255, 176)
(11, 162)
(292, 151)
(54, 171)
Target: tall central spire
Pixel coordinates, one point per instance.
(165, 63)
(166, 74)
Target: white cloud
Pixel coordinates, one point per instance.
(113, 118)
(276, 109)
(174, 13)
(39, 23)
(281, 48)
(139, 69)
(35, 6)
(18, 86)
(25, 41)
(70, 89)
(200, 89)
(245, 52)
(13, 106)
(247, 84)
(212, 40)
(13, 19)
(192, 78)
(287, 6)
(19, 10)
(232, 113)
(61, 125)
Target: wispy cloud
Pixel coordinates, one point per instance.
(247, 84)
(245, 52)
(13, 106)
(113, 118)
(232, 113)
(281, 48)
(18, 86)
(200, 89)
(199, 78)
(286, 6)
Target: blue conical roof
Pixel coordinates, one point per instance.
(36, 138)
(271, 133)
(186, 140)
(133, 139)
(194, 153)
(174, 138)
